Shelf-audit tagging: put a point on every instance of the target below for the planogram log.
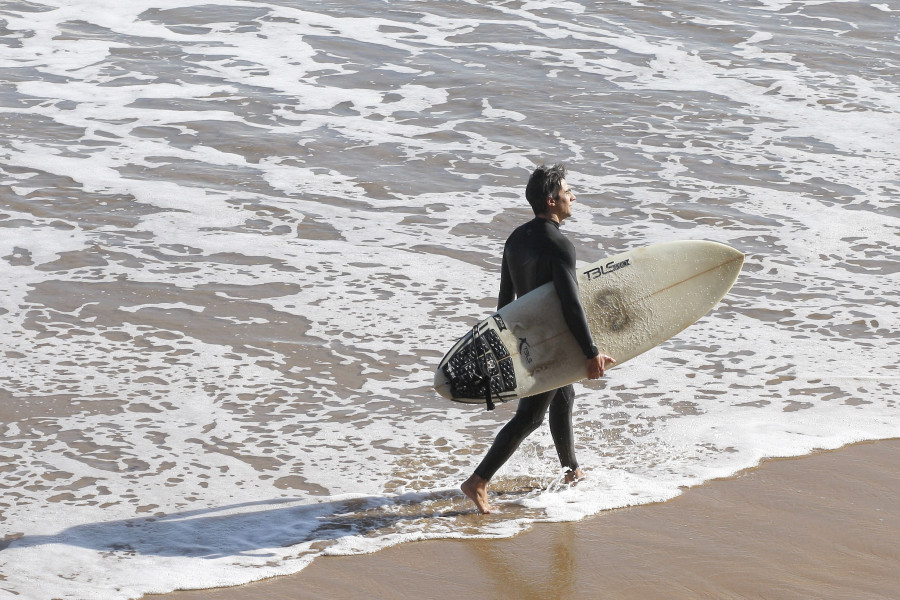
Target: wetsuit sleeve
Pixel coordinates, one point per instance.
(564, 279)
(507, 291)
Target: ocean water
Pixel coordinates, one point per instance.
(236, 238)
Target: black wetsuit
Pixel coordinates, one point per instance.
(537, 253)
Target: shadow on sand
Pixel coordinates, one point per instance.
(254, 528)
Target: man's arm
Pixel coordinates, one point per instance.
(567, 289)
(507, 291)
(566, 284)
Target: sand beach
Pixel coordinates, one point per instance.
(821, 526)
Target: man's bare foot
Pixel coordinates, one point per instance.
(475, 488)
(574, 476)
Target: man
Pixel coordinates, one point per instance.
(537, 253)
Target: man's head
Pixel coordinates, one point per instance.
(548, 194)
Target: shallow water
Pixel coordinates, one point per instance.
(235, 240)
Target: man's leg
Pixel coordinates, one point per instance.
(529, 415)
(561, 408)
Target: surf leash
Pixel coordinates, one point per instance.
(481, 365)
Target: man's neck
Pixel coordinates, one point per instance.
(550, 217)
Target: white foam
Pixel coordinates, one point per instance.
(230, 373)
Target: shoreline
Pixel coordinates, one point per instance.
(819, 526)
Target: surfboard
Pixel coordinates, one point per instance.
(633, 302)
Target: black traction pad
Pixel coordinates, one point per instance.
(481, 357)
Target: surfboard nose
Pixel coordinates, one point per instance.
(732, 260)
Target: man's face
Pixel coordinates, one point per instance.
(562, 207)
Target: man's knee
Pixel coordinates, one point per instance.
(528, 422)
(564, 400)
(530, 414)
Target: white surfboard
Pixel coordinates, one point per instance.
(633, 302)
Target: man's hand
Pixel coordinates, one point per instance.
(596, 367)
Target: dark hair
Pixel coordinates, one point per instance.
(545, 182)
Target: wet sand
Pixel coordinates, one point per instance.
(822, 526)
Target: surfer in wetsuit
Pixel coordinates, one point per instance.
(537, 253)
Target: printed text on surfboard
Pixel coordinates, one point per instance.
(607, 268)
